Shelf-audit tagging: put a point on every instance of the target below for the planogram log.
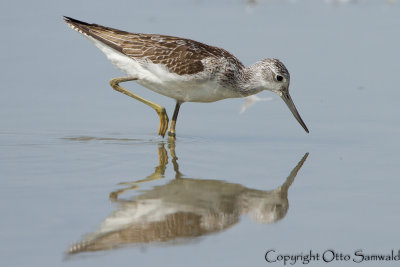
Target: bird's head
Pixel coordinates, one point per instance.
(276, 78)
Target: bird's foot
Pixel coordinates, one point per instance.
(162, 129)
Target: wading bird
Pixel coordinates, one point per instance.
(183, 69)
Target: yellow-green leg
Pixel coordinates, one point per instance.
(171, 131)
(159, 109)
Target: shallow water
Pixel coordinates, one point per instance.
(83, 170)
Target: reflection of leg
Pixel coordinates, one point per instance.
(158, 173)
(162, 165)
(171, 147)
(159, 109)
(114, 195)
(171, 131)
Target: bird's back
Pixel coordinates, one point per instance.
(181, 56)
(180, 68)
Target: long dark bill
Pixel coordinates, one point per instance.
(289, 102)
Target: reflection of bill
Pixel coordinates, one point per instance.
(183, 209)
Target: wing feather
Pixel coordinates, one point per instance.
(181, 56)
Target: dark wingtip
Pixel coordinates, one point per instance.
(71, 20)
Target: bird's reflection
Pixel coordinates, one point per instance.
(183, 209)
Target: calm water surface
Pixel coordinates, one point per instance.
(87, 182)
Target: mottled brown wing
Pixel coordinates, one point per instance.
(179, 55)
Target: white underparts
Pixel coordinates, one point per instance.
(156, 77)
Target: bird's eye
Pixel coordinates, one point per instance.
(279, 78)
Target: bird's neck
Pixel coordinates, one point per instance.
(250, 80)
